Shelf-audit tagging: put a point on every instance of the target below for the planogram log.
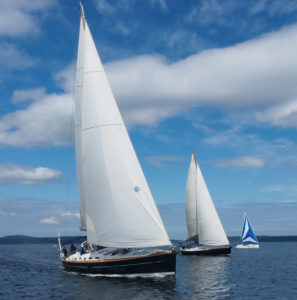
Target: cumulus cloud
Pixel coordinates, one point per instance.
(28, 95)
(70, 214)
(44, 122)
(254, 74)
(158, 161)
(283, 115)
(112, 7)
(242, 162)
(51, 220)
(65, 78)
(18, 17)
(11, 173)
(12, 58)
(5, 213)
(259, 75)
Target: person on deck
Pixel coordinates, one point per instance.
(64, 252)
(72, 249)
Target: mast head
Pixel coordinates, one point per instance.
(82, 13)
(194, 155)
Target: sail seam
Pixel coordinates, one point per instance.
(93, 72)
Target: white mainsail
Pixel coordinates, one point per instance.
(209, 227)
(116, 200)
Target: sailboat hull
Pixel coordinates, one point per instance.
(203, 250)
(156, 263)
(247, 246)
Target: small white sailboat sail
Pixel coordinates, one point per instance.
(116, 206)
(248, 238)
(203, 222)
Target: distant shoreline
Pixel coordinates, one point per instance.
(23, 239)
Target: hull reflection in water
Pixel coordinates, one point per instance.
(207, 250)
(206, 276)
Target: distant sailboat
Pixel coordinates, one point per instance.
(204, 225)
(116, 206)
(248, 239)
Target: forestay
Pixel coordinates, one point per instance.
(119, 208)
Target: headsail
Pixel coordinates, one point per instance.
(119, 208)
(247, 236)
(209, 227)
(191, 201)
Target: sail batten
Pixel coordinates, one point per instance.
(119, 208)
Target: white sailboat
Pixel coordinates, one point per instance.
(204, 225)
(116, 206)
(248, 239)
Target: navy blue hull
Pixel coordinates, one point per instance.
(213, 251)
(157, 263)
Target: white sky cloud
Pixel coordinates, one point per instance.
(282, 115)
(65, 78)
(10, 173)
(242, 162)
(44, 122)
(5, 213)
(11, 58)
(18, 17)
(28, 95)
(111, 7)
(70, 214)
(159, 161)
(259, 75)
(254, 74)
(51, 220)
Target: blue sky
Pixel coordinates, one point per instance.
(217, 77)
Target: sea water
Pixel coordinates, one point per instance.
(35, 272)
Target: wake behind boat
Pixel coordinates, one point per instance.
(204, 226)
(248, 239)
(116, 206)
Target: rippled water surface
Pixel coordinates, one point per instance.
(35, 272)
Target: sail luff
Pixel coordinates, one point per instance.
(120, 210)
(191, 201)
(77, 122)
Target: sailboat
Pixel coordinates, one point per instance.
(248, 239)
(204, 225)
(125, 233)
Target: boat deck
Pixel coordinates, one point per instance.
(111, 254)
